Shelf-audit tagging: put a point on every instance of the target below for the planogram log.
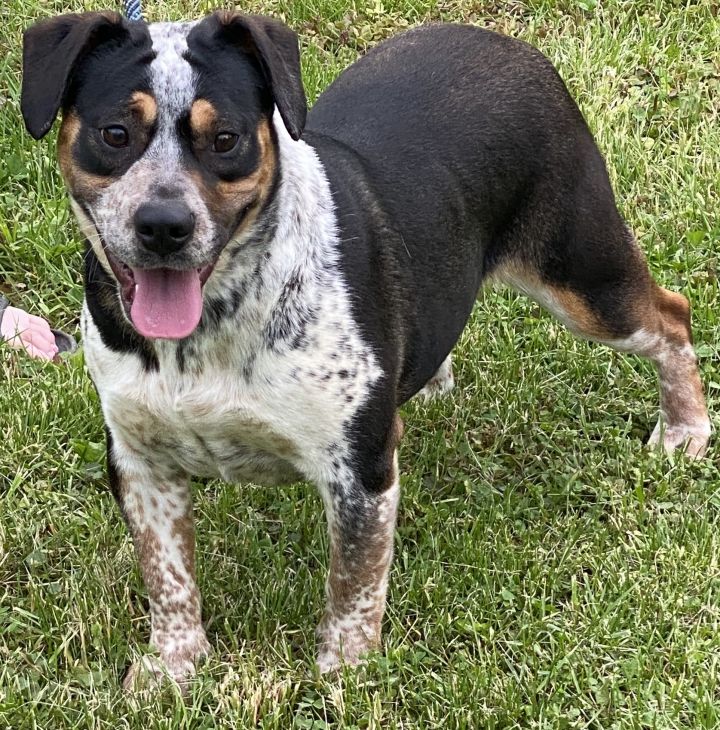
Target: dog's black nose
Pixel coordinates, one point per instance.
(164, 228)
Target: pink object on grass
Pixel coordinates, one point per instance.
(26, 331)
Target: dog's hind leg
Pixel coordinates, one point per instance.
(612, 299)
(441, 383)
(157, 508)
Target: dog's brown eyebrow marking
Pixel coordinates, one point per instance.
(203, 117)
(145, 106)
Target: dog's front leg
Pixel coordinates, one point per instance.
(157, 507)
(361, 523)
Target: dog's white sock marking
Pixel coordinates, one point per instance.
(361, 548)
(683, 415)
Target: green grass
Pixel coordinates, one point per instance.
(550, 571)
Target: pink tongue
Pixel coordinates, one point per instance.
(167, 304)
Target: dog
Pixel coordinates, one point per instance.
(265, 287)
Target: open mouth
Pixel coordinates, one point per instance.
(161, 303)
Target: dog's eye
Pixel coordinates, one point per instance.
(225, 141)
(115, 136)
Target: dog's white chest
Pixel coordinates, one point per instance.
(207, 425)
(283, 422)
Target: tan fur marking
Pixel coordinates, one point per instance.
(225, 199)
(203, 118)
(258, 183)
(83, 185)
(69, 130)
(145, 106)
(652, 308)
(565, 304)
(585, 320)
(673, 311)
(265, 174)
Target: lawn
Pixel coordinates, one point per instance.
(551, 572)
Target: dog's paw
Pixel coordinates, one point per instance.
(343, 647)
(150, 673)
(441, 383)
(154, 672)
(692, 437)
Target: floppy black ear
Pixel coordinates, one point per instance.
(51, 49)
(276, 48)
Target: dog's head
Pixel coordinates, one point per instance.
(166, 145)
